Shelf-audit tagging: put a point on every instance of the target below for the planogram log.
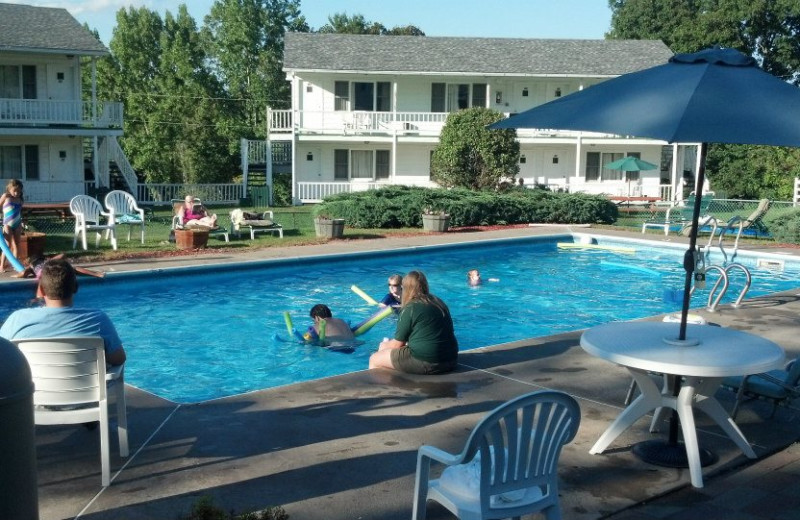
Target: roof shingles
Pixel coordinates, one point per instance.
(505, 56)
(25, 28)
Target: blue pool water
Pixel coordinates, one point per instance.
(206, 333)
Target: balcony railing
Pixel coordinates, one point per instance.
(50, 112)
(387, 123)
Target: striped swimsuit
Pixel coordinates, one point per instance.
(12, 214)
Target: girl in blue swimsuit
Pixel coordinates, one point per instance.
(11, 202)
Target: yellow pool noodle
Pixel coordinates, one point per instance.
(364, 295)
(364, 327)
(288, 320)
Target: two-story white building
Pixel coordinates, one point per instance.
(51, 137)
(368, 110)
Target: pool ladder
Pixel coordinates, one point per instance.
(713, 302)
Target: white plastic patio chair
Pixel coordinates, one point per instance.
(124, 210)
(71, 379)
(508, 467)
(89, 214)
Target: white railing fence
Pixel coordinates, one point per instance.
(312, 192)
(163, 194)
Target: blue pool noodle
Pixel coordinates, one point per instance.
(11, 258)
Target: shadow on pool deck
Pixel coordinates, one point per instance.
(345, 447)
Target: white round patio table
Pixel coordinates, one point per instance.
(712, 354)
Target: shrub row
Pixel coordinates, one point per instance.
(784, 226)
(402, 206)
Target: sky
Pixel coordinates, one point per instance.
(581, 19)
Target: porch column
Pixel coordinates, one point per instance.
(295, 123)
(578, 154)
(677, 193)
(94, 94)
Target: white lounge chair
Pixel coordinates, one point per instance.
(124, 210)
(255, 222)
(89, 215)
(71, 379)
(508, 467)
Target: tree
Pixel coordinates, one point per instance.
(245, 38)
(341, 23)
(768, 30)
(469, 155)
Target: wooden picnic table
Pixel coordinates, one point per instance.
(35, 209)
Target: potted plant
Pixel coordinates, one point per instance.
(191, 238)
(435, 220)
(328, 227)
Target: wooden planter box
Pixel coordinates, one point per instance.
(31, 246)
(438, 223)
(191, 238)
(329, 228)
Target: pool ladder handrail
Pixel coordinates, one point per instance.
(713, 303)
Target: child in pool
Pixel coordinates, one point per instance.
(335, 329)
(11, 202)
(474, 278)
(395, 294)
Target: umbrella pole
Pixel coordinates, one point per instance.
(689, 257)
(671, 453)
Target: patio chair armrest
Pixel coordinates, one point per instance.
(774, 380)
(268, 215)
(114, 372)
(434, 453)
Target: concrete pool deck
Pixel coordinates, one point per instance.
(345, 447)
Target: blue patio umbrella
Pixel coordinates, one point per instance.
(712, 96)
(630, 164)
(715, 95)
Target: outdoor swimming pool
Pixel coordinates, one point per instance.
(199, 334)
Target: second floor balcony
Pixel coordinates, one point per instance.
(84, 114)
(385, 123)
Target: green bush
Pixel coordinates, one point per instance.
(282, 189)
(205, 509)
(784, 226)
(402, 206)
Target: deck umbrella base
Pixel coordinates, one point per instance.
(671, 455)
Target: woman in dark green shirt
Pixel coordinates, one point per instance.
(424, 342)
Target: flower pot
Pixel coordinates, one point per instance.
(329, 228)
(31, 246)
(438, 223)
(191, 238)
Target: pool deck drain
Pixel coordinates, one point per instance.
(345, 447)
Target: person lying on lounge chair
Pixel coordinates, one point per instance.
(192, 214)
(34, 268)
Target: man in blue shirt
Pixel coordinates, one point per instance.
(58, 318)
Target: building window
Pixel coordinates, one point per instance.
(596, 172)
(438, 97)
(383, 96)
(341, 164)
(18, 82)
(361, 164)
(19, 162)
(479, 94)
(366, 96)
(381, 164)
(449, 97)
(341, 96)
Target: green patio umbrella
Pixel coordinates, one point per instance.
(630, 164)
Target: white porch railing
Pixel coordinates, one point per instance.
(312, 192)
(162, 194)
(44, 111)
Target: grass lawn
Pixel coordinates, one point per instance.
(297, 222)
